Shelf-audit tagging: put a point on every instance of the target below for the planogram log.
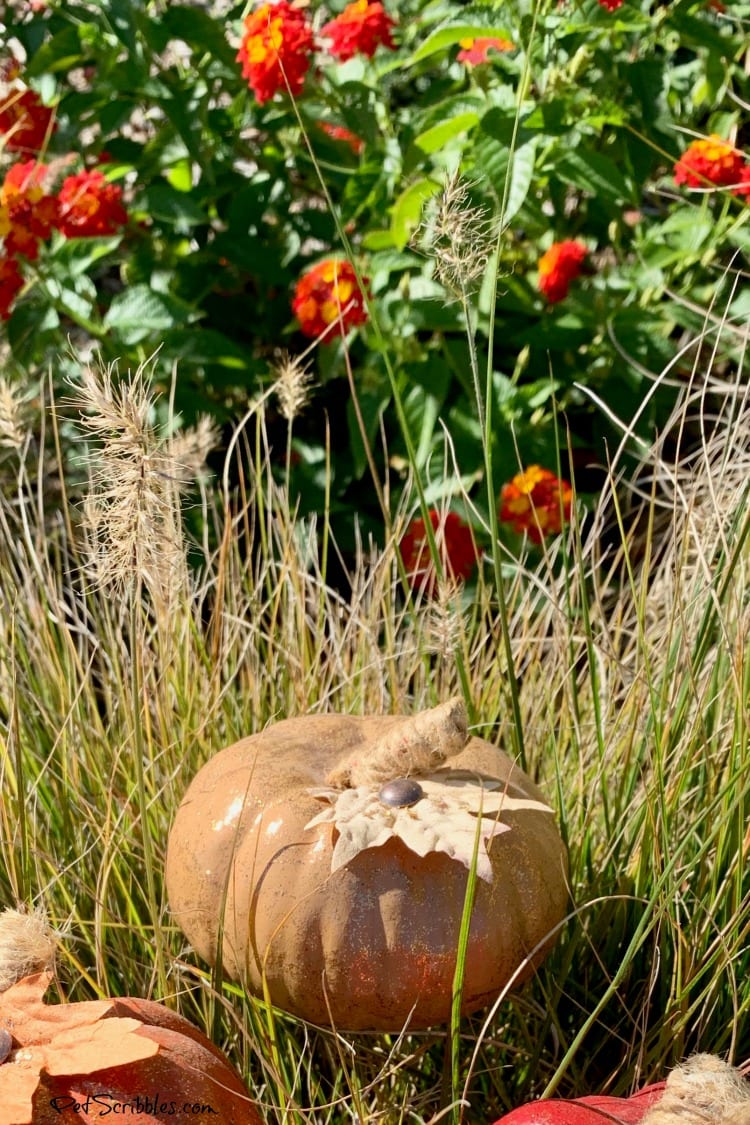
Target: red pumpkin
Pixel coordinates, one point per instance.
(325, 862)
(77, 1063)
(593, 1110)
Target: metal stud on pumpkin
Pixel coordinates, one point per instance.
(330, 855)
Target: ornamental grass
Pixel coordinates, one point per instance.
(629, 662)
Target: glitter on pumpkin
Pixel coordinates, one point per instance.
(90, 207)
(27, 212)
(536, 502)
(560, 265)
(458, 552)
(25, 123)
(276, 50)
(361, 28)
(326, 294)
(11, 282)
(707, 161)
(476, 51)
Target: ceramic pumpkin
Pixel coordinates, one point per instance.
(592, 1110)
(703, 1089)
(129, 1058)
(330, 856)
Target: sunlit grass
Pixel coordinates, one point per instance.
(633, 677)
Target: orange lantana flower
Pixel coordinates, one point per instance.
(327, 293)
(536, 502)
(361, 28)
(455, 544)
(27, 212)
(90, 207)
(25, 124)
(561, 264)
(276, 50)
(709, 160)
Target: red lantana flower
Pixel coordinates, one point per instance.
(610, 5)
(27, 212)
(361, 28)
(537, 502)
(276, 50)
(326, 293)
(90, 206)
(25, 122)
(458, 552)
(341, 133)
(10, 283)
(561, 264)
(476, 51)
(710, 160)
(743, 182)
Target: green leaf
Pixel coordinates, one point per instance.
(199, 30)
(139, 311)
(594, 173)
(164, 202)
(62, 52)
(447, 36)
(407, 210)
(434, 139)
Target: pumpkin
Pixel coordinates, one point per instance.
(590, 1110)
(80, 1062)
(703, 1089)
(324, 863)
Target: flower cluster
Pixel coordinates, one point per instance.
(276, 50)
(560, 265)
(278, 43)
(90, 207)
(86, 206)
(610, 5)
(713, 161)
(329, 293)
(536, 502)
(455, 542)
(362, 27)
(25, 123)
(476, 51)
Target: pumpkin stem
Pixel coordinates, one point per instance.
(415, 745)
(27, 946)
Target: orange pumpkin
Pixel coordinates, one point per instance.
(330, 855)
(129, 1058)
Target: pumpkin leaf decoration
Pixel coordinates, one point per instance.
(443, 819)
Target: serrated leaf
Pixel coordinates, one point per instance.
(595, 173)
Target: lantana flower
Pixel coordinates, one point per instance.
(709, 160)
(328, 293)
(11, 282)
(560, 265)
(27, 212)
(455, 543)
(362, 27)
(25, 123)
(610, 5)
(276, 50)
(90, 207)
(536, 502)
(476, 51)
